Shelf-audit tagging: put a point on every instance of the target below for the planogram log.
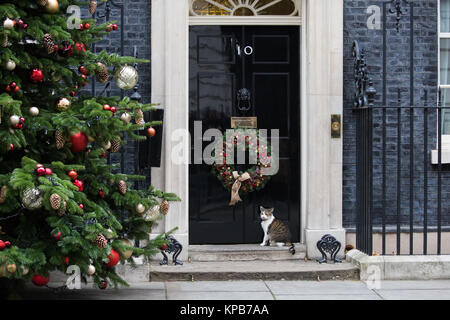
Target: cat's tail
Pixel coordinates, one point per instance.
(291, 248)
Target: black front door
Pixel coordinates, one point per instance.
(265, 60)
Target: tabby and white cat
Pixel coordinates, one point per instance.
(275, 230)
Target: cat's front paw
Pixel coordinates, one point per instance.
(263, 244)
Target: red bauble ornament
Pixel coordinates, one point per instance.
(87, 26)
(151, 132)
(2, 245)
(114, 27)
(11, 268)
(101, 193)
(79, 184)
(72, 93)
(79, 142)
(72, 174)
(39, 280)
(11, 146)
(36, 76)
(40, 171)
(106, 107)
(83, 70)
(48, 171)
(113, 109)
(114, 258)
(65, 50)
(7, 243)
(103, 284)
(66, 260)
(163, 247)
(57, 236)
(81, 206)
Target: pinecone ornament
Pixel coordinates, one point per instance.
(4, 39)
(115, 145)
(139, 117)
(102, 74)
(3, 194)
(164, 207)
(49, 45)
(92, 6)
(101, 241)
(59, 139)
(55, 201)
(122, 186)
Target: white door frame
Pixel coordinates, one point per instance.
(321, 185)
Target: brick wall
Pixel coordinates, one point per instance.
(397, 61)
(136, 33)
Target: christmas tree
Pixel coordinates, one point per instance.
(60, 203)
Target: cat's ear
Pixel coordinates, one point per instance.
(261, 208)
(270, 211)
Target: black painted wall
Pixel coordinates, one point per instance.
(397, 61)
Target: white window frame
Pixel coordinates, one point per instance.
(445, 138)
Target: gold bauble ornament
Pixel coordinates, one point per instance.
(63, 104)
(52, 6)
(140, 208)
(32, 198)
(34, 111)
(10, 65)
(126, 77)
(109, 234)
(125, 117)
(126, 253)
(152, 214)
(56, 76)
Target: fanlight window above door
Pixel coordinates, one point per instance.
(244, 7)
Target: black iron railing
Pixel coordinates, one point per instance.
(403, 194)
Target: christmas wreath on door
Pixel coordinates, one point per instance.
(240, 183)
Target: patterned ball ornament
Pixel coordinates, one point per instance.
(32, 199)
(126, 77)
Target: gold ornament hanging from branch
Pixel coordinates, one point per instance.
(126, 77)
(52, 6)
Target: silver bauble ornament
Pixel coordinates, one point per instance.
(25, 270)
(32, 199)
(10, 65)
(34, 111)
(8, 24)
(106, 145)
(126, 77)
(125, 117)
(14, 119)
(63, 104)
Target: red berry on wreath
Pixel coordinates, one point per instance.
(39, 280)
(114, 27)
(72, 174)
(57, 236)
(7, 243)
(66, 260)
(81, 206)
(113, 109)
(113, 258)
(2, 245)
(83, 70)
(81, 27)
(101, 193)
(11, 268)
(36, 76)
(87, 26)
(73, 93)
(48, 171)
(107, 107)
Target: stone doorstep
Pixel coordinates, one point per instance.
(244, 252)
(416, 267)
(254, 270)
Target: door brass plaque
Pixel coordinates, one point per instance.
(335, 126)
(244, 122)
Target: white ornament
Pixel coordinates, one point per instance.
(125, 117)
(140, 208)
(10, 65)
(109, 234)
(14, 119)
(34, 111)
(91, 270)
(106, 145)
(8, 24)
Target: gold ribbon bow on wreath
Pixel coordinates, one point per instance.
(235, 198)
